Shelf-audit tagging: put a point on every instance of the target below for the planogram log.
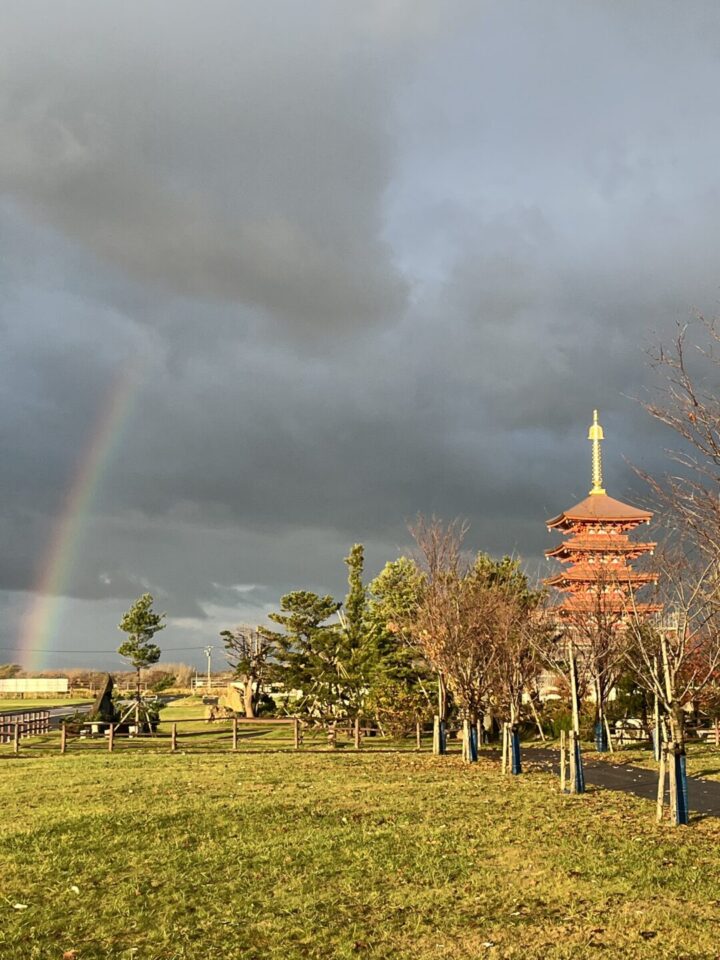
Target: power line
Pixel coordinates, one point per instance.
(20, 649)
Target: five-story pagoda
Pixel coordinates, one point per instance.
(598, 551)
(599, 585)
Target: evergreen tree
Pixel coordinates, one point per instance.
(394, 596)
(141, 623)
(310, 653)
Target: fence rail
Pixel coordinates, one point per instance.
(204, 735)
(27, 723)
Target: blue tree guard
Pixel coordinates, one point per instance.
(472, 746)
(579, 772)
(443, 737)
(601, 740)
(682, 815)
(516, 766)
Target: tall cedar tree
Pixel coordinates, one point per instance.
(358, 653)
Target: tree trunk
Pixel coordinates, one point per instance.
(677, 725)
(442, 697)
(248, 699)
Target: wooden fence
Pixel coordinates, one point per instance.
(198, 734)
(22, 724)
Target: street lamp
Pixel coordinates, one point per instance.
(208, 654)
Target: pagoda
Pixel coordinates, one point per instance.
(597, 551)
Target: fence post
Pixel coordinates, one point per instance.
(296, 732)
(111, 737)
(173, 737)
(418, 734)
(562, 761)
(63, 737)
(16, 738)
(357, 733)
(235, 733)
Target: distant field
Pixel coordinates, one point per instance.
(277, 856)
(41, 704)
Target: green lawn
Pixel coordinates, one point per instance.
(154, 856)
(41, 703)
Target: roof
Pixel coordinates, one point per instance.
(579, 546)
(599, 506)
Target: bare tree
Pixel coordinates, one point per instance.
(453, 620)
(687, 403)
(248, 652)
(677, 657)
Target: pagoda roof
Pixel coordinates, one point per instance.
(628, 578)
(598, 507)
(599, 544)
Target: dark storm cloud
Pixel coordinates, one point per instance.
(367, 259)
(237, 157)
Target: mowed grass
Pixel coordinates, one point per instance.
(279, 855)
(41, 703)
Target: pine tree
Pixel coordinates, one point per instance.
(141, 623)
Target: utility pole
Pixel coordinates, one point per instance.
(208, 654)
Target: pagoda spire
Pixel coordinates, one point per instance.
(596, 436)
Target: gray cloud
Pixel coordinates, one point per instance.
(364, 260)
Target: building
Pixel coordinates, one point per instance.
(598, 585)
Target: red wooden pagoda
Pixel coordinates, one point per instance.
(598, 552)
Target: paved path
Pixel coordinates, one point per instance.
(703, 795)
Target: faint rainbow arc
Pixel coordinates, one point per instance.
(39, 625)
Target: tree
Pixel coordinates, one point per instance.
(394, 599)
(599, 631)
(9, 670)
(248, 653)
(141, 624)
(309, 653)
(687, 402)
(677, 657)
(453, 622)
(357, 653)
(518, 626)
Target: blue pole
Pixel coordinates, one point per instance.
(473, 744)
(683, 813)
(515, 749)
(601, 743)
(443, 737)
(579, 772)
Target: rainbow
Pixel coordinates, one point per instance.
(39, 627)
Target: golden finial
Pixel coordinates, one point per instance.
(595, 434)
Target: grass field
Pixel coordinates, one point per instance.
(156, 856)
(44, 703)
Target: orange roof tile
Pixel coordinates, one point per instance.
(598, 507)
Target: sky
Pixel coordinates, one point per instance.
(276, 277)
